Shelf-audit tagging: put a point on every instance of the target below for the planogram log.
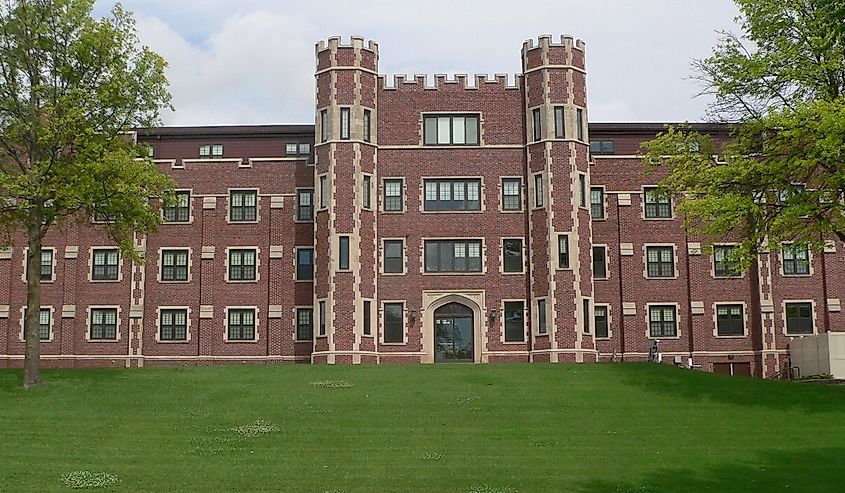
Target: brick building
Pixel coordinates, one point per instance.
(419, 220)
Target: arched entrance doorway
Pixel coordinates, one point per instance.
(454, 340)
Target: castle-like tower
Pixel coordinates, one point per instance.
(346, 138)
(560, 233)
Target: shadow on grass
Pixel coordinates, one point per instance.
(798, 470)
(11, 380)
(745, 391)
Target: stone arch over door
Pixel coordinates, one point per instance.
(474, 300)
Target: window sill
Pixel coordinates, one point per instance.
(393, 343)
(796, 275)
(509, 211)
(544, 334)
(100, 341)
(393, 212)
(245, 281)
(513, 343)
(303, 221)
(175, 223)
(304, 280)
(601, 338)
(393, 274)
(106, 281)
(669, 278)
(717, 336)
(601, 278)
(658, 218)
(598, 219)
(453, 273)
(228, 221)
(481, 211)
(727, 278)
(512, 273)
(664, 338)
(159, 341)
(801, 335)
(299, 341)
(238, 341)
(162, 281)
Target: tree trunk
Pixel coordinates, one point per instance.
(32, 358)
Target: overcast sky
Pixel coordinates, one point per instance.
(252, 61)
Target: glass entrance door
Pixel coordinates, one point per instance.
(453, 334)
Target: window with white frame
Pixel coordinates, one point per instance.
(560, 123)
(725, 261)
(173, 324)
(305, 204)
(452, 194)
(451, 129)
(657, 205)
(180, 210)
(174, 265)
(393, 195)
(597, 203)
(730, 320)
(344, 123)
(511, 194)
(241, 325)
(539, 195)
(243, 205)
(662, 321)
(563, 251)
(105, 265)
(799, 318)
(242, 263)
(660, 261)
(796, 260)
(394, 259)
(211, 151)
(103, 325)
(453, 256)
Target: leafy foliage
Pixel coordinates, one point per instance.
(781, 177)
(71, 89)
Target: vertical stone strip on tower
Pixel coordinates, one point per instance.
(345, 160)
(558, 172)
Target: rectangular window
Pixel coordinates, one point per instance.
(304, 324)
(586, 315)
(102, 216)
(538, 124)
(343, 257)
(451, 129)
(598, 147)
(243, 205)
(43, 324)
(324, 125)
(242, 324)
(366, 191)
(563, 251)
(511, 194)
(799, 318)
(305, 205)
(394, 330)
(324, 192)
(600, 321)
(539, 195)
(600, 262)
(393, 195)
(394, 260)
(582, 190)
(208, 151)
(541, 317)
(344, 123)
(657, 205)
(453, 256)
(662, 321)
(368, 330)
(512, 252)
(367, 128)
(174, 265)
(597, 202)
(323, 316)
(796, 260)
(304, 264)
(661, 261)
(514, 321)
(560, 125)
(242, 265)
(46, 265)
(579, 122)
(453, 195)
(304, 149)
(291, 149)
(724, 262)
(103, 324)
(729, 320)
(173, 325)
(180, 212)
(105, 264)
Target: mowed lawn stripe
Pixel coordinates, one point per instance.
(588, 428)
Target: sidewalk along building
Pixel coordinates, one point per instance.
(419, 220)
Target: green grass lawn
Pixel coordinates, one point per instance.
(492, 428)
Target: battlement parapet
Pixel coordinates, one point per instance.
(355, 42)
(547, 40)
(443, 81)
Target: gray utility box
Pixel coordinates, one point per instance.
(819, 354)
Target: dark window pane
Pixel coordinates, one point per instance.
(305, 264)
(729, 320)
(343, 246)
(393, 257)
(514, 321)
(512, 251)
(799, 318)
(393, 323)
(367, 315)
(600, 321)
(304, 324)
(599, 262)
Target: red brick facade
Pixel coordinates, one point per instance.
(246, 299)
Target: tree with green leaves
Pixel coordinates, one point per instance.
(781, 177)
(71, 90)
